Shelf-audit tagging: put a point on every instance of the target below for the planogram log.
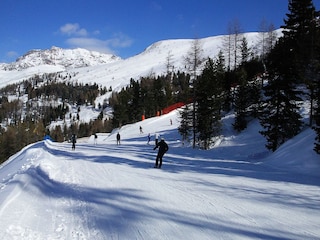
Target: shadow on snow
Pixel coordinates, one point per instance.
(121, 211)
(127, 207)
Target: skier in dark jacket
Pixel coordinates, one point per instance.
(163, 148)
(118, 138)
(73, 140)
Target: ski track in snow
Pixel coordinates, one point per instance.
(107, 191)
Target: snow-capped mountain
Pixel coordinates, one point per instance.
(68, 58)
(112, 71)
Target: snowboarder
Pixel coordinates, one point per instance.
(163, 148)
(118, 139)
(73, 141)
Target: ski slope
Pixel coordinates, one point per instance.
(237, 190)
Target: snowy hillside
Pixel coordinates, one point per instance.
(237, 190)
(110, 71)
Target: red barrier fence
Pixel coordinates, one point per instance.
(172, 107)
(166, 110)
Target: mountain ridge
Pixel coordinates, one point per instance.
(113, 71)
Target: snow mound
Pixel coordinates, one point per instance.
(297, 155)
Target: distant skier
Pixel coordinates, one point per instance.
(118, 139)
(163, 148)
(73, 141)
(149, 138)
(156, 139)
(95, 139)
(141, 131)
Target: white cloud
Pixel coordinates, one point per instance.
(120, 40)
(92, 44)
(80, 38)
(12, 54)
(73, 29)
(9, 57)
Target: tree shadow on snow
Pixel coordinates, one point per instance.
(179, 159)
(120, 213)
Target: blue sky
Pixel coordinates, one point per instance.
(124, 27)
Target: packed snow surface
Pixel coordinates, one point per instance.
(237, 190)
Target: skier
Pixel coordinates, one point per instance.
(95, 139)
(163, 148)
(118, 139)
(73, 140)
(156, 138)
(149, 138)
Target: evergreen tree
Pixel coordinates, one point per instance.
(209, 97)
(313, 77)
(57, 134)
(180, 87)
(147, 95)
(247, 94)
(159, 93)
(298, 34)
(316, 96)
(185, 128)
(245, 50)
(280, 117)
(8, 143)
(302, 27)
(135, 108)
(241, 102)
(287, 68)
(312, 69)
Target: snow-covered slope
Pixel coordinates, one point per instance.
(154, 61)
(235, 191)
(111, 71)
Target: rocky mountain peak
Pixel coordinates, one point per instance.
(68, 58)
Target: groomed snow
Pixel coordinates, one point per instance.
(237, 190)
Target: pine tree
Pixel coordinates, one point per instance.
(303, 29)
(317, 127)
(317, 108)
(288, 62)
(313, 74)
(280, 117)
(209, 97)
(241, 101)
(298, 33)
(245, 50)
(312, 68)
(8, 143)
(185, 127)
